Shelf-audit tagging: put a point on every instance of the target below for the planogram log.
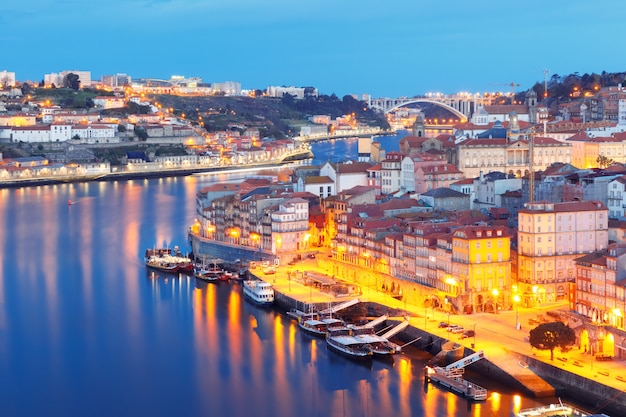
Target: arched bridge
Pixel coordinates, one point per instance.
(462, 105)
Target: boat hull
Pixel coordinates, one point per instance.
(348, 354)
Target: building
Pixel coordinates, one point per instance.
(490, 187)
(510, 157)
(58, 79)
(7, 79)
(346, 175)
(445, 199)
(481, 269)
(550, 237)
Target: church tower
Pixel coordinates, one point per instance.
(419, 127)
(531, 102)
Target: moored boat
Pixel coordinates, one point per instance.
(259, 292)
(317, 325)
(379, 345)
(207, 274)
(341, 341)
(168, 260)
(560, 410)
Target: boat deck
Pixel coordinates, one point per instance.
(457, 384)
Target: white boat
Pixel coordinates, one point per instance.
(559, 410)
(379, 345)
(341, 341)
(318, 325)
(259, 292)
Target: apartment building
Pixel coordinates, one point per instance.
(550, 237)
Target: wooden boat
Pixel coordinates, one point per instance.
(259, 292)
(341, 341)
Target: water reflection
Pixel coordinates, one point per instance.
(81, 316)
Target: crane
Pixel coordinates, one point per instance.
(513, 85)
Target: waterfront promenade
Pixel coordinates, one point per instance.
(505, 345)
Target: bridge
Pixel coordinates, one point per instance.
(461, 104)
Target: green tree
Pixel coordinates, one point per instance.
(72, 81)
(548, 336)
(604, 161)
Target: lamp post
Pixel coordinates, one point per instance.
(495, 293)
(474, 344)
(516, 300)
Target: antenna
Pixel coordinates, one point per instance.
(545, 82)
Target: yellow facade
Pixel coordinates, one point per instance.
(482, 260)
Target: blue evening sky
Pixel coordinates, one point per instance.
(382, 48)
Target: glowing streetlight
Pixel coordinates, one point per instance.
(516, 300)
(495, 294)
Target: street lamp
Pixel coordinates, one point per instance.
(474, 344)
(516, 300)
(495, 293)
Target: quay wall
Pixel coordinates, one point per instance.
(589, 392)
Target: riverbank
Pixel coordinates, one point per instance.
(509, 361)
(141, 174)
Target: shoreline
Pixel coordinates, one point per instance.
(131, 175)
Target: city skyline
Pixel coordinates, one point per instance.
(350, 47)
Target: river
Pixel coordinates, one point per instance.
(85, 329)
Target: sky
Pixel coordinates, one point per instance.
(381, 48)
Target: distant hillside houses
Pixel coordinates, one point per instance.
(61, 132)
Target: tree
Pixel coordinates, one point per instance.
(604, 161)
(548, 336)
(72, 81)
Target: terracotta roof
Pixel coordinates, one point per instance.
(324, 179)
(569, 206)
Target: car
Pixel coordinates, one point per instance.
(311, 255)
(443, 324)
(269, 270)
(468, 333)
(452, 327)
(458, 330)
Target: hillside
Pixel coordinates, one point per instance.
(272, 116)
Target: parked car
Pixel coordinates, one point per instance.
(468, 333)
(458, 330)
(443, 324)
(452, 327)
(269, 270)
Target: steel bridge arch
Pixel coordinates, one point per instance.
(426, 100)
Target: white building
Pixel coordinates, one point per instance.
(296, 92)
(229, 88)
(290, 224)
(58, 79)
(7, 79)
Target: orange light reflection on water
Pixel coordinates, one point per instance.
(405, 373)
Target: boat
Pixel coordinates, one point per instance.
(162, 264)
(452, 377)
(318, 325)
(207, 273)
(259, 292)
(168, 260)
(341, 341)
(379, 345)
(555, 410)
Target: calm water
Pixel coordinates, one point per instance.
(86, 330)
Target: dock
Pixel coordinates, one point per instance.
(452, 377)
